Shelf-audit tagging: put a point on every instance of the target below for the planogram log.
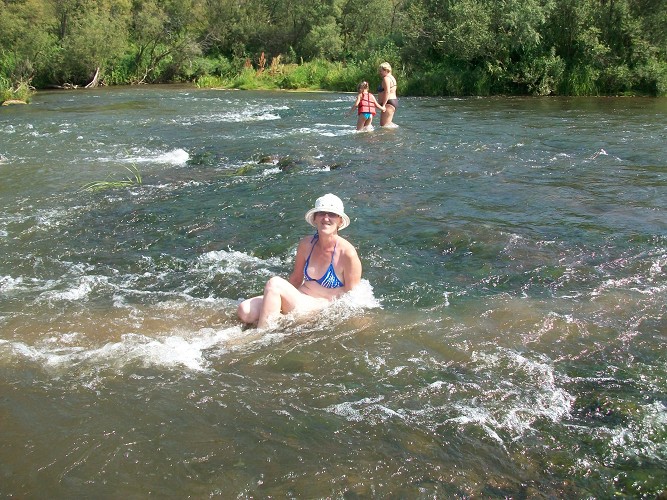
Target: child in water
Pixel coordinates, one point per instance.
(366, 103)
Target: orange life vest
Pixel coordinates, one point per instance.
(367, 104)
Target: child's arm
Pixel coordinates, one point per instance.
(356, 103)
(382, 108)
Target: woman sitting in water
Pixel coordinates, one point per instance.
(326, 254)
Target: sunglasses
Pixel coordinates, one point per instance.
(331, 215)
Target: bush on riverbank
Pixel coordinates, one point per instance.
(20, 91)
(548, 76)
(314, 75)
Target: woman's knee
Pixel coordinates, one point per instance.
(247, 312)
(274, 285)
(243, 311)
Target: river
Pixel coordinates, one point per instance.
(507, 340)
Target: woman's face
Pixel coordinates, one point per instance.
(328, 220)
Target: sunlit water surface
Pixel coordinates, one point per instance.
(507, 340)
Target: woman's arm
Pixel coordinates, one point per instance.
(296, 278)
(385, 89)
(351, 268)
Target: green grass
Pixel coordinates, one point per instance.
(134, 179)
(314, 75)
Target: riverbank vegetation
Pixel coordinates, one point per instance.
(437, 47)
(14, 91)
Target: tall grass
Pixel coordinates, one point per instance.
(132, 180)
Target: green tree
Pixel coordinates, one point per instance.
(519, 50)
(231, 27)
(164, 33)
(365, 23)
(325, 40)
(609, 46)
(94, 36)
(26, 40)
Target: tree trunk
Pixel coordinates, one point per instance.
(96, 79)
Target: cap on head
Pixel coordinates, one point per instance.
(328, 203)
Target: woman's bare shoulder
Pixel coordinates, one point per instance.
(305, 241)
(347, 247)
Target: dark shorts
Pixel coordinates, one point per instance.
(393, 102)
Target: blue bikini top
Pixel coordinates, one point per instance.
(329, 280)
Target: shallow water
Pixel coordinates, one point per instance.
(507, 340)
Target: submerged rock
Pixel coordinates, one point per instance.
(286, 164)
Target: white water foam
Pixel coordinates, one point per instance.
(77, 292)
(637, 441)
(234, 262)
(78, 355)
(9, 284)
(364, 410)
(248, 114)
(47, 219)
(529, 392)
(329, 131)
(173, 157)
(633, 441)
(270, 171)
(507, 395)
(176, 156)
(177, 350)
(657, 268)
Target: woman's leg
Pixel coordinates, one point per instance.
(280, 296)
(387, 116)
(248, 310)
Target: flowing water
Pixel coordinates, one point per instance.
(507, 339)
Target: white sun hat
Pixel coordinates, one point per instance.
(328, 203)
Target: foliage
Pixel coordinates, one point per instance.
(542, 74)
(306, 76)
(20, 91)
(437, 47)
(313, 75)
